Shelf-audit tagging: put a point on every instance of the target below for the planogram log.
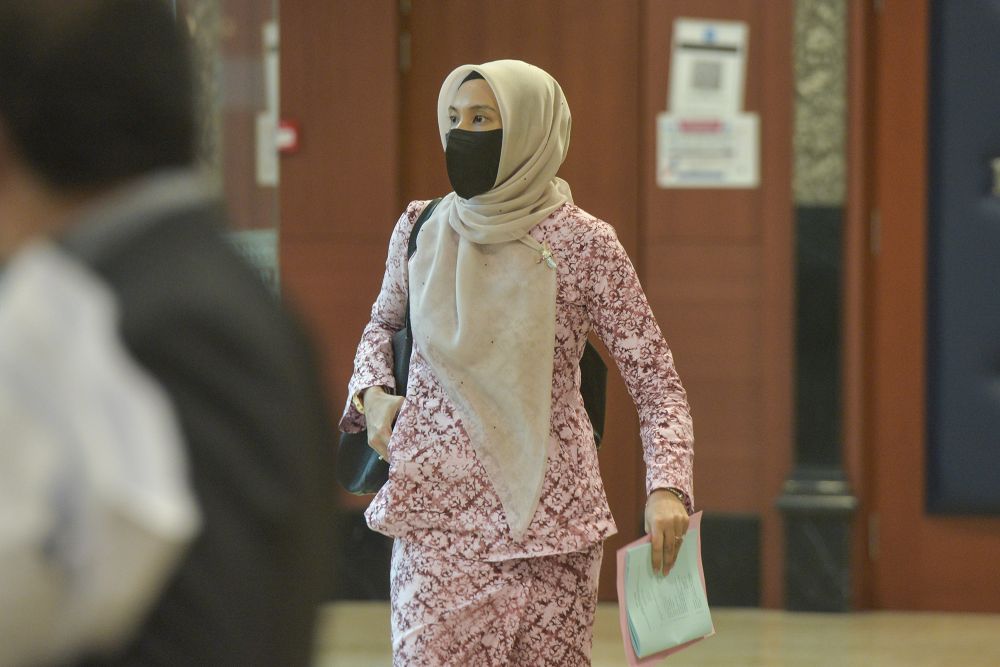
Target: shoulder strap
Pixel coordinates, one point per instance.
(411, 246)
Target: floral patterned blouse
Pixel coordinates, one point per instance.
(439, 495)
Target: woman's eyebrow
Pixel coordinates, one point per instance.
(476, 107)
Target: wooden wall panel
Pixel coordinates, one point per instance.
(340, 83)
(592, 50)
(856, 272)
(777, 243)
(718, 268)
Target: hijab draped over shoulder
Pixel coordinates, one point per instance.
(482, 296)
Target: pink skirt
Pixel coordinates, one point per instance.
(529, 612)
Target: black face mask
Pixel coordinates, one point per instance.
(473, 160)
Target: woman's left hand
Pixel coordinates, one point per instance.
(666, 523)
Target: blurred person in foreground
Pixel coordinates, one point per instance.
(95, 505)
(97, 138)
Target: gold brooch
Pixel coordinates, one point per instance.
(547, 256)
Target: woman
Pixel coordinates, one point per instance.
(494, 493)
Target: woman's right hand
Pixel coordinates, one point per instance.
(381, 410)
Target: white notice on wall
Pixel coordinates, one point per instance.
(707, 67)
(268, 171)
(699, 152)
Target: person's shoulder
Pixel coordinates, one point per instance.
(585, 227)
(187, 265)
(409, 216)
(415, 208)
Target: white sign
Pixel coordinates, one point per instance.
(707, 67)
(268, 172)
(700, 152)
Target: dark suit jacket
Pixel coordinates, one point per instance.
(245, 386)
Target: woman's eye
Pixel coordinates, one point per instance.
(453, 119)
(479, 119)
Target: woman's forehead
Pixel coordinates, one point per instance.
(474, 93)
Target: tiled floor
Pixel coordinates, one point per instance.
(356, 635)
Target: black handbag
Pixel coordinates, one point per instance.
(359, 468)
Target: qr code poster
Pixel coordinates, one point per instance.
(708, 67)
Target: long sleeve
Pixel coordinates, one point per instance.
(373, 360)
(623, 319)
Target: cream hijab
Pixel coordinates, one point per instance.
(483, 296)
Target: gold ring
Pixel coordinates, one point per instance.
(678, 538)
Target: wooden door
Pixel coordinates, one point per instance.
(918, 560)
(338, 192)
(591, 48)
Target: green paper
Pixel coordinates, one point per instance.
(664, 612)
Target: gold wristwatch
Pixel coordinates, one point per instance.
(675, 491)
(358, 403)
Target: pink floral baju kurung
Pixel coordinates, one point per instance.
(439, 500)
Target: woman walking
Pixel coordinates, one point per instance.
(494, 495)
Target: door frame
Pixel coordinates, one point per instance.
(908, 549)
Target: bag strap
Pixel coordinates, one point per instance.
(411, 247)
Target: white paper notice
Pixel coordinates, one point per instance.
(707, 67)
(707, 152)
(268, 172)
